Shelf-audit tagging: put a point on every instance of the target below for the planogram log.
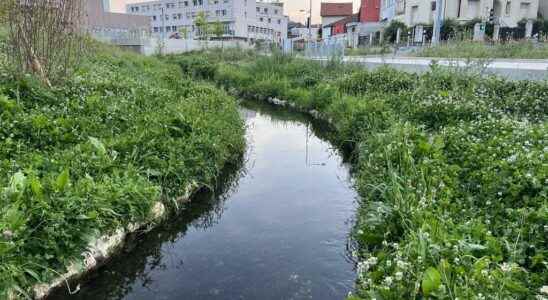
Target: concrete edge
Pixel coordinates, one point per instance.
(101, 249)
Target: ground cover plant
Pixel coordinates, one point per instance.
(469, 49)
(94, 153)
(451, 169)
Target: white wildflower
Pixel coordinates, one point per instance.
(388, 280)
(506, 267)
(399, 276)
(544, 289)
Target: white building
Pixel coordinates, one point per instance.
(248, 20)
(412, 12)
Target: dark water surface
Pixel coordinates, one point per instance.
(277, 230)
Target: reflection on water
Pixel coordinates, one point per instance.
(274, 229)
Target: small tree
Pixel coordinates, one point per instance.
(44, 37)
(218, 29)
(184, 32)
(203, 26)
(391, 31)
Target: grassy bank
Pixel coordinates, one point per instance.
(81, 159)
(451, 170)
(464, 49)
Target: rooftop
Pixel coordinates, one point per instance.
(336, 9)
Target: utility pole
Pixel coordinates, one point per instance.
(163, 31)
(310, 22)
(438, 21)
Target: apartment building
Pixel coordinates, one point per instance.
(242, 19)
(332, 13)
(543, 8)
(124, 30)
(412, 12)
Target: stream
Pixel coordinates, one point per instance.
(276, 228)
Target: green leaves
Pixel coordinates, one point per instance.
(17, 182)
(431, 281)
(98, 145)
(62, 180)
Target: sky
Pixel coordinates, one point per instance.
(292, 8)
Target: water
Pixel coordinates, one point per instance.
(278, 230)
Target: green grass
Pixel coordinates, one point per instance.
(464, 49)
(451, 170)
(93, 154)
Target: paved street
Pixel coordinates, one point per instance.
(517, 69)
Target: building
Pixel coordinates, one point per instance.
(248, 20)
(413, 12)
(543, 9)
(332, 13)
(121, 29)
(304, 32)
(369, 11)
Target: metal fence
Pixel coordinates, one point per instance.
(328, 48)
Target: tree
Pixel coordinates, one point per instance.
(449, 29)
(390, 32)
(203, 26)
(45, 37)
(184, 32)
(218, 29)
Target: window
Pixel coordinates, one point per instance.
(258, 9)
(174, 28)
(195, 2)
(224, 12)
(153, 18)
(201, 2)
(279, 21)
(156, 29)
(168, 28)
(266, 10)
(170, 5)
(269, 20)
(261, 19)
(275, 11)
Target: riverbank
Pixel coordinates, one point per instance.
(450, 168)
(113, 150)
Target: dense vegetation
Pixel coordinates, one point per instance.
(463, 49)
(93, 154)
(451, 169)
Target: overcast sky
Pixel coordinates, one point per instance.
(292, 7)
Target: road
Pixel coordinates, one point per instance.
(515, 69)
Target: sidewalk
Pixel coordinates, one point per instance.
(516, 69)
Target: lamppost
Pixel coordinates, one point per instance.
(309, 20)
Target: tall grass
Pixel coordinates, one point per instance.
(468, 49)
(82, 159)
